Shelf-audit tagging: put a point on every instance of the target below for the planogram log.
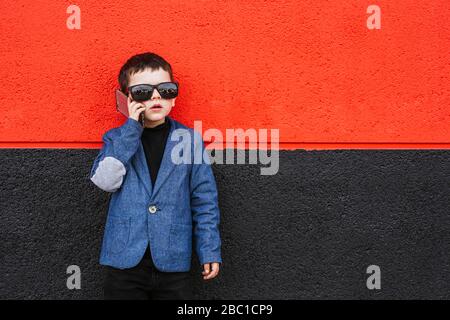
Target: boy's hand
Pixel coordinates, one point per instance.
(210, 270)
(134, 108)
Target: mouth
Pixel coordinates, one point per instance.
(156, 107)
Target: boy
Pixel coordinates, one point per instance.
(156, 204)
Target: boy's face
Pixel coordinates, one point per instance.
(154, 77)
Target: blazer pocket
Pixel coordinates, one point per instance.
(181, 239)
(118, 234)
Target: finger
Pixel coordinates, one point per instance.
(137, 108)
(206, 268)
(129, 100)
(131, 104)
(214, 272)
(140, 112)
(211, 275)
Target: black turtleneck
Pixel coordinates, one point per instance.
(154, 142)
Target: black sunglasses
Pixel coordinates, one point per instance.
(143, 92)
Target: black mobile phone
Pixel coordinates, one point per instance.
(122, 105)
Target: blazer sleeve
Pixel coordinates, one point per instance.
(119, 145)
(204, 206)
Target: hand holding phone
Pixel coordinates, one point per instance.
(130, 108)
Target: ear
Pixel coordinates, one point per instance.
(173, 102)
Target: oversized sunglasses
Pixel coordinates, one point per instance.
(144, 92)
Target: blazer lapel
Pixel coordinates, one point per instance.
(167, 164)
(141, 167)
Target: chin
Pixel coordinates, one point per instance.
(155, 117)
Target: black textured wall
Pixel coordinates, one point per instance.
(308, 232)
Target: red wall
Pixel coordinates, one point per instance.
(309, 68)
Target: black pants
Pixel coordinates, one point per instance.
(144, 282)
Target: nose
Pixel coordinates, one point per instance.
(155, 94)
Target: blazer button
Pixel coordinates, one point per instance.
(152, 209)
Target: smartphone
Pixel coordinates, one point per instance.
(122, 105)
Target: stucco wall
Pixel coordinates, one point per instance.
(312, 69)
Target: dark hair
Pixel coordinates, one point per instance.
(139, 63)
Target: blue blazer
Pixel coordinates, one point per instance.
(182, 205)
